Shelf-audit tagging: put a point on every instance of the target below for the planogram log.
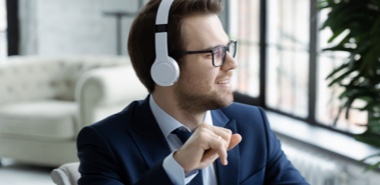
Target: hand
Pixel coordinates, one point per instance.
(205, 145)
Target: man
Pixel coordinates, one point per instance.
(230, 144)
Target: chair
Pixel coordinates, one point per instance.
(66, 174)
(45, 102)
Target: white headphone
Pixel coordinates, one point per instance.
(165, 70)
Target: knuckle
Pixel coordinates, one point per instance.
(229, 131)
(202, 127)
(221, 143)
(226, 130)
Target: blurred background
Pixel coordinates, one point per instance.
(281, 68)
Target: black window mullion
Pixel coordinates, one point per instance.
(312, 86)
(262, 52)
(12, 27)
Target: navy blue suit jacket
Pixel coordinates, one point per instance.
(129, 148)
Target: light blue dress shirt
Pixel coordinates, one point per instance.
(175, 172)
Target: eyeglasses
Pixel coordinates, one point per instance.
(218, 53)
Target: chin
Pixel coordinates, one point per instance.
(222, 101)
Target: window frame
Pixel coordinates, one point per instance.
(260, 100)
(13, 28)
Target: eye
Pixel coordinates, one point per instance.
(219, 52)
(208, 55)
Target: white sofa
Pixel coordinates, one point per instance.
(44, 102)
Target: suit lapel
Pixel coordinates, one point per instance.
(154, 148)
(148, 136)
(227, 175)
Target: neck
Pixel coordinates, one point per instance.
(167, 102)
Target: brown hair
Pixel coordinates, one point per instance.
(141, 43)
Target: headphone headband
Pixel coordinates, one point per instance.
(162, 20)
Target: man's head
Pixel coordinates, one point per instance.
(141, 43)
(204, 81)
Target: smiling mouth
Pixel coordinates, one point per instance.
(224, 82)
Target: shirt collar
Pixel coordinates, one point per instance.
(166, 122)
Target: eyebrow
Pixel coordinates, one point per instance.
(220, 45)
(181, 53)
(212, 47)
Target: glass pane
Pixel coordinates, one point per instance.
(3, 31)
(244, 19)
(288, 56)
(327, 97)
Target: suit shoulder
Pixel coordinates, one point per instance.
(242, 109)
(118, 119)
(247, 115)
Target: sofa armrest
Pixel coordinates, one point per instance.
(66, 174)
(101, 90)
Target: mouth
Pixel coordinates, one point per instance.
(223, 82)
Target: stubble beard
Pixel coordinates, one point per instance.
(198, 102)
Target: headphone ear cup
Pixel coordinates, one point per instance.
(165, 72)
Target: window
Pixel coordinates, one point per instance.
(327, 110)
(281, 65)
(244, 24)
(3, 31)
(288, 56)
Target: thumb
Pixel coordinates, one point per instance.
(235, 139)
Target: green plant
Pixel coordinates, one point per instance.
(357, 22)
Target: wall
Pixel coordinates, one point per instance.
(72, 27)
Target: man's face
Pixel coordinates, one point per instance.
(201, 86)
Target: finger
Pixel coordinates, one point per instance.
(208, 157)
(215, 132)
(211, 154)
(223, 158)
(216, 129)
(219, 142)
(220, 146)
(223, 133)
(235, 139)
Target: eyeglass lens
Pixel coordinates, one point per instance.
(219, 53)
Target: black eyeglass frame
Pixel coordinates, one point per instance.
(212, 51)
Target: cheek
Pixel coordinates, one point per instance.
(194, 71)
(198, 75)
(198, 82)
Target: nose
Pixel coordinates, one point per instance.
(230, 63)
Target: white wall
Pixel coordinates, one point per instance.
(72, 27)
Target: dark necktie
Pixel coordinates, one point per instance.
(183, 136)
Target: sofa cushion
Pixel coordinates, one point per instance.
(27, 80)
(73, 67)
(44, 120)
(65, 81)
